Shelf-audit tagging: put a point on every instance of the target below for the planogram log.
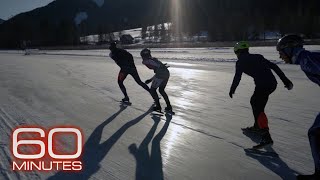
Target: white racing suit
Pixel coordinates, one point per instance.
(159, 80)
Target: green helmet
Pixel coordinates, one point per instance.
(240, 45)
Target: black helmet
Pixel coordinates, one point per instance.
(289, 41)
(113, 45)
(145, 53)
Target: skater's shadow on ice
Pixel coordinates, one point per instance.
(94, 151)
(270, 159)
(149, 165)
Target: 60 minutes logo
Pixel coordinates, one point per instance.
(43, 154)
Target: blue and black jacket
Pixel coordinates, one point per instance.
(309, 63)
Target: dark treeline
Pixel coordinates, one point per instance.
(235, 20)
(224, 20)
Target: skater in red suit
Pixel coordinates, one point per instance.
(126, 63)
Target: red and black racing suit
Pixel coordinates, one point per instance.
(126, 63)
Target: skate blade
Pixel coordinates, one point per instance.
(170, 112)
(126, 103)
(158, 111)
(245, 130)
(257, 147)
(259, 152)
(156, 114)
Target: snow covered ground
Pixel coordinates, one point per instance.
(202, 141)
(210, 54)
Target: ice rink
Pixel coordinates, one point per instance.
(202, 141)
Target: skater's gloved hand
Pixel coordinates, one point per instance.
(148, 81)
(289, 85)
(231, 94)
(166, 65)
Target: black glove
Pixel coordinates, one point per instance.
(288, 84)
(166, 65)
(148, 81)
(231, 94)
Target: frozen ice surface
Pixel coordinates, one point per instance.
(202, 141)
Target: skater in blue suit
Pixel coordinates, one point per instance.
(291, 50)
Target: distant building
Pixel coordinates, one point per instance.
(202, 36)
(126, 39)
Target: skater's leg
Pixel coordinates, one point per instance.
(254, 105)
(262, 117)
(164, 94)
(258, 102)
(154, 94)
(136, 77)
(156, 82)
(121, 77)
(314, 139)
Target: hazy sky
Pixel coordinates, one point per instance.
(10, 8)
